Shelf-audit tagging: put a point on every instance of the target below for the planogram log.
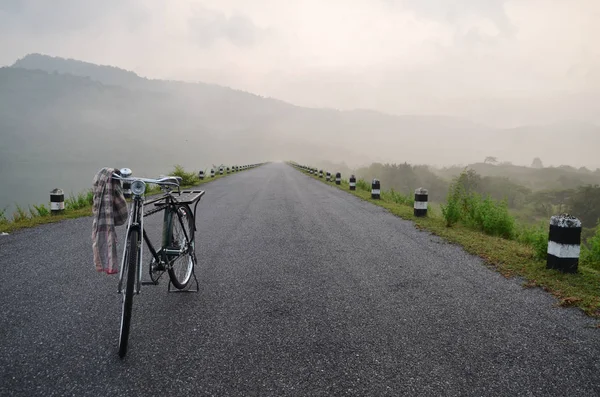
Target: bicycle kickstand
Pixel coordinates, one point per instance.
(185, 290)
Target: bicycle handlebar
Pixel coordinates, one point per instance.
(165, 181)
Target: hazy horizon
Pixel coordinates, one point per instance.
(500, 63)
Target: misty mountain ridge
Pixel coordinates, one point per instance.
(206, 114)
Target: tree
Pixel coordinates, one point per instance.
(585, 205)
(491, 160)
(537, 163)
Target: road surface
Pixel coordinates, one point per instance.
(304, 291)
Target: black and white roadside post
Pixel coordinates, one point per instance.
(201, 174)
(57, 201)
(221, 170)
(420, 206)
(375, 189)
(320, 173)
(212, 172)
(328, 176)
(352, 182)
(564, 243)
(338, 178)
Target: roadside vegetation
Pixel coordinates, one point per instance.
(487, 224)
(78, 205)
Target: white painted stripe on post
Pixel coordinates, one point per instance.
(375, 191)
(352, 183)
(420, 205)
(57, 206)
(563, 250)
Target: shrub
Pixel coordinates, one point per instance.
(41, 209)
(82, 200)
(363, 185)
(20, 214)
(536, 237)
(490, 216)
(398, 197)
(485, 214)
(187, 178)
(452, 211)
(590, 251)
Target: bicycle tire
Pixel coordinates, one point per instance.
(181, 270)
(130, 260)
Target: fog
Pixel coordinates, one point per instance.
(424, 81)
(466, 58)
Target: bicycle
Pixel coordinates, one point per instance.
(176, 256)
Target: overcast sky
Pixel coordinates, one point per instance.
(399, 56)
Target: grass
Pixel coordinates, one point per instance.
(80, 205)
(523, 254)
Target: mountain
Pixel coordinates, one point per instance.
(78, 102)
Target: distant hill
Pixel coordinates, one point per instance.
(75, 101)
(561, 177)
(103, 73)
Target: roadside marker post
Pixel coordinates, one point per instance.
(57, 201)
(352, 182)
(420, 206)
(376, 189)
(564, 243)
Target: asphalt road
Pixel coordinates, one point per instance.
(304, 291)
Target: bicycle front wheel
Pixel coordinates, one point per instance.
(180, 229)
(129, 272)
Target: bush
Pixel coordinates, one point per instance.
(590, 251)
(20, 214)
(452, 212)
(485, 214)
(361, 184)
(490, 216)
(82, 200)
(536, 237)
(398, 198)
(187, 178)
(41, 210)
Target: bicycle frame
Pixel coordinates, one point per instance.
(136, 221)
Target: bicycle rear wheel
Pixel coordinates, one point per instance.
(131, 262)
(180, 225)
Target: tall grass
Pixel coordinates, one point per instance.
(20, 214)
(82, 200)
(361, 184)
(534, 236)
(41, 210)
(187, 178)
(398, 198)
(590, 251)
(477, 212)
(452, 210)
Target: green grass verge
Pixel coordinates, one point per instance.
(509, 257)
(81, 205)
